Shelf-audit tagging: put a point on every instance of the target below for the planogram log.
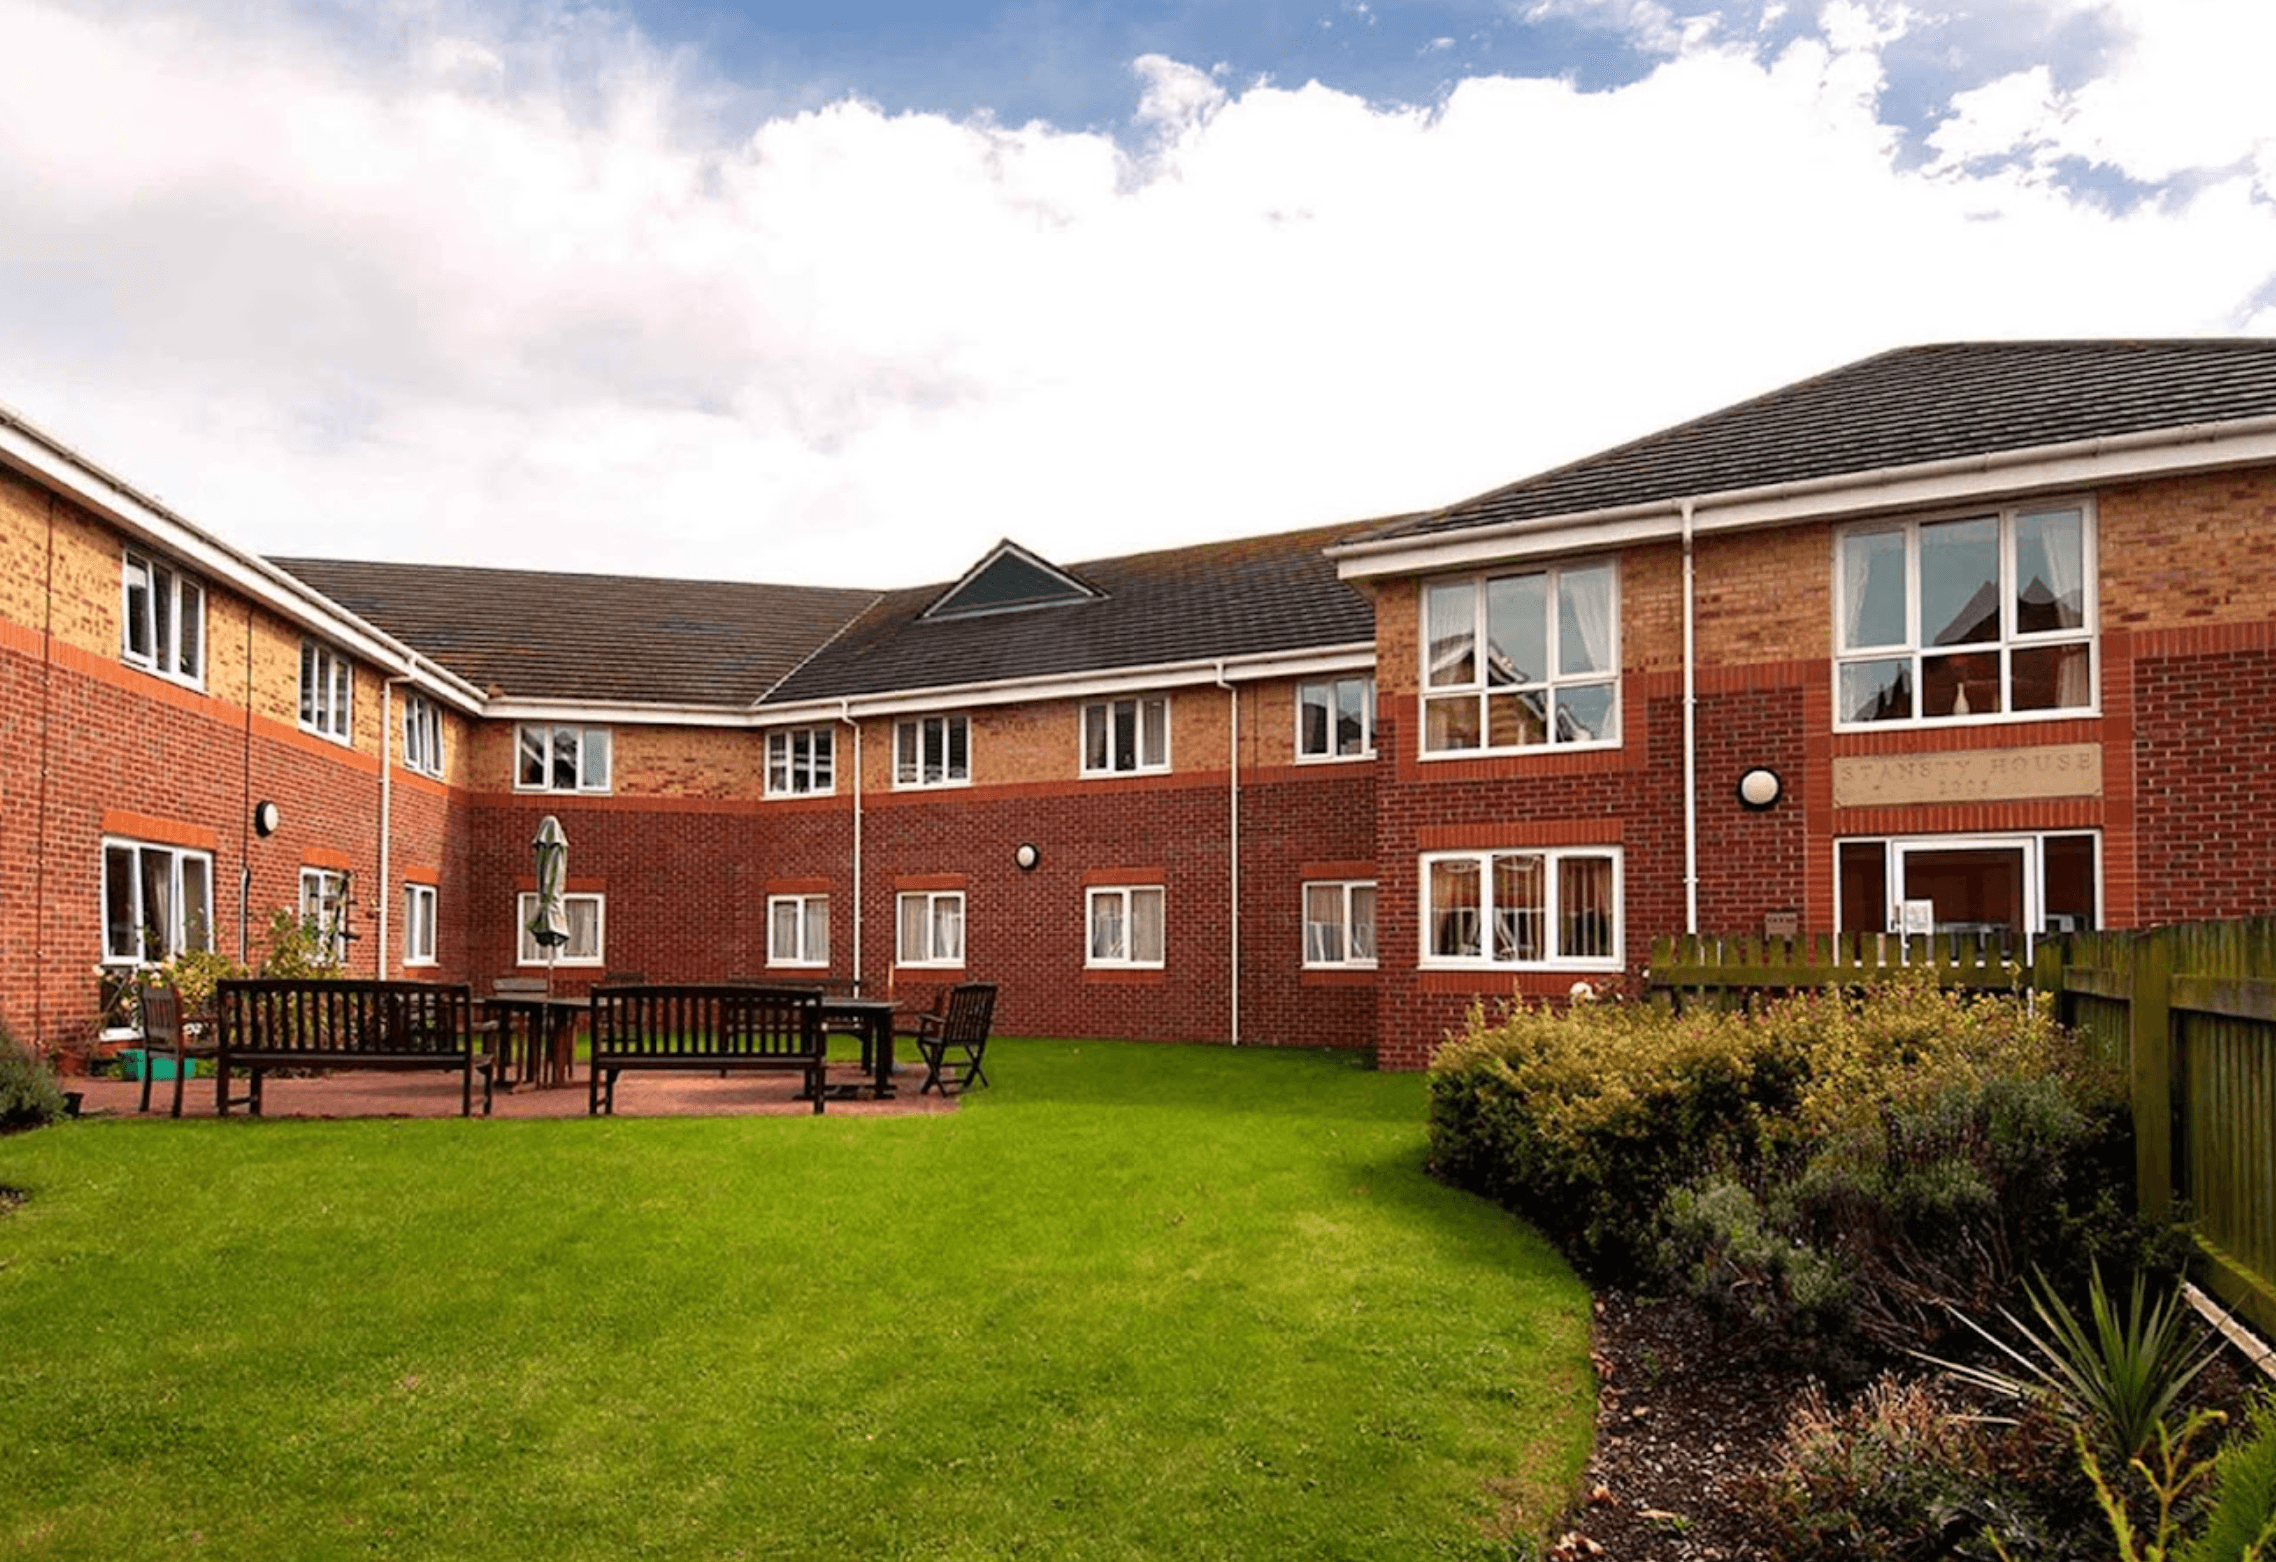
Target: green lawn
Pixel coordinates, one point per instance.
(1134, 1301)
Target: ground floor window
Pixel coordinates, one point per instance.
(324, 910)
(587, 916)
(1126, 926)
(1339, 923)
(798, 930)
(1522, 908)
(418, 924)
(2002, 890)
(929, 928)
(157, 902)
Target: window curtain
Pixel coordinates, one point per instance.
(1323, 924)
(1587, 599)
(1856, 572)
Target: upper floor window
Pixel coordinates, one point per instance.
(423, 735)
(1126, 927)
(1339, 923)
(324, 910)
(157, 902)
(932, 751)
(327, 691)
(929, 928)
(801, 760)
(419, 924)
(1525, 908)
(1517, 661)
(1335, 720)
(587, 916)
(163, 623)
(1975, 619)
(1125, 735)
(798, 930)
(561, 759)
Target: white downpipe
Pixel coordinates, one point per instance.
(845, 714)
(386, 805)
(1233, 844)
(1690, 739)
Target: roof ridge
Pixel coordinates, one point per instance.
(286, 562)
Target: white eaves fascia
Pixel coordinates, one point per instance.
(49, 462)
(1995, 475)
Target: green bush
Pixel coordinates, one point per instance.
(2240, 1523)
(29, 1095)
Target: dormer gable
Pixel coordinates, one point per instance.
(1010, 580)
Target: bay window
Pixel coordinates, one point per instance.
(1521, 661)
(1522, 908)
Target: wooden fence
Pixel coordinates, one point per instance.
(2189, 1013)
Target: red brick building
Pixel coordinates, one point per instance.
(1982, 637)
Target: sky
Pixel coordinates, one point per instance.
(843, 293)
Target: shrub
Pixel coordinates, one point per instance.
(29, 1095)
(2240, 1523)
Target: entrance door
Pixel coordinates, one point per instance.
(2008, 889)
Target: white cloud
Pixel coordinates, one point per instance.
(485, 305)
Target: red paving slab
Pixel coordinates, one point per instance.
(437, 1095)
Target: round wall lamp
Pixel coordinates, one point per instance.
(1027, 857)
(265, 818)
(1760, 788)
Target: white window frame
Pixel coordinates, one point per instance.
(321, 911)
(909, 735)
(1125, 898)
(526, 949)
(811, 774)
(420, 903)
(1101, 716)
(1331, 689)
(176, 597)
(930, 956)
(1552, 857)
(327, 692)
(807, 909)
(549, 732)
(422, 736)
(2011, 639)
(181, 916)
(2033, 845)
(1345, 921)
(1550, 684)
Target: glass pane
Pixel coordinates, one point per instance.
(1584, 621)
(584, 928)
(1106, 927)
(1146, 926)
(158, 903)
(1351, 716)
(190, 658)
(342, 676)
(162, 616)
(1977, 891)
(825, 760)
(1125, 734)
(1864, 869)
(1323, 924)
(782, 931)
(778, 762)
(2053, 677)
(905, 770)
(2050, 579)
(1877, 691)
(121, 932)
(1959, 582)
(197, 903)
(564, 759)
(1515, 720)
(948, 927)
(308, 681)
(1312, 719)
(137, 627)
(533, 756)
(1450, 621)
(1155, 722)
(1963, 685)
(1363, 921)
(597, 745)
(1584, 908)
(1520, 907)
(2066, 899)
(1873, 590)
(1454, 905)
(959, 755)
(1585, 714)
(1450, 724)
(936, 751)
(1094, 737)
(1517, 629)
(815, 946)
(525, 907)
(915, 924)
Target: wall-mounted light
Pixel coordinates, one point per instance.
(1760, 788)
(1026, 856)
(265, 818)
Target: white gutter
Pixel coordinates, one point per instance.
(1233, 848)
(1690, 738)
(845, 716)
(386, 807)
(2074, 464)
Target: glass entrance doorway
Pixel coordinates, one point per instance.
(2002, 891)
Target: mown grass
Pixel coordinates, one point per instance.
(1135, 1301)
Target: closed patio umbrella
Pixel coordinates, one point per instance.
(549, 922)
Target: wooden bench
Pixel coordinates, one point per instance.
(724, 1027)
(265, 1025)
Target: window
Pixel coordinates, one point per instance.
(1995, 891)
(1126, 927)
(1125, 735)
(798, 930)
(1335, 720)
(929, 929)
(587, 918)
(418, 924)
(157, 902)
(327, 691)
(932, 751)
(324, 910)
(423, 736)
(1517, 661)
(163, 623)
(561, 759)
(800, 761)
(1986, 618)
(1339, 924)
(1522, 908)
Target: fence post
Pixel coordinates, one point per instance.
(2151, 1045)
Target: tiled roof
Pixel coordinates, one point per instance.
(1902, 408)
(533, 634)
(1245, 598)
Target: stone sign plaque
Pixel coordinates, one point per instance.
(1992, 775)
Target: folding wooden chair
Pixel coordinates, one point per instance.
(164, 1035)
(953, 1041)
